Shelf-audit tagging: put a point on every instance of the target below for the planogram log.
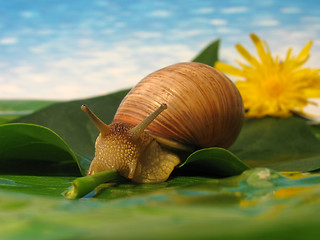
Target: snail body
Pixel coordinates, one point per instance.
(173, 111)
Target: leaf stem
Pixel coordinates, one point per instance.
(83, 185)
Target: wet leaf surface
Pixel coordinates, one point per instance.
(257, 204)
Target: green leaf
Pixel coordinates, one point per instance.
(257, 204)
(33, 149)
(49, 186)
(283, 144)
(69, 122)
(315, 128)
(209, 55)
(216, 162)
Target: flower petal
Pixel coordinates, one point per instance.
(312, 93)
(264, 56)
(246, 55)
(228, 69)
(305, 51)
(288, 54)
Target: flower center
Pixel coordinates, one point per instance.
(272, 87)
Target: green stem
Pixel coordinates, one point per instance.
(83, 185)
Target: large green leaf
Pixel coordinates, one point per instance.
(285, 144)
(316, 130)
(209, 55)
(74, 127)
(50, 186)
(32, 149)
(215, 162)
(258, 204)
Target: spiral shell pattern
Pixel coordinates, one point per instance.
(205, 108)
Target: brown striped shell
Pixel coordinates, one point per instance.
(205, 108)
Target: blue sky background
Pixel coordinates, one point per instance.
(70, 49)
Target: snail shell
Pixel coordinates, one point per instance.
(199, 107)
(204, 107)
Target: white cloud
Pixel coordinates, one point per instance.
(218, 22)
(146, 35)
(9, 89)
(93, 72)
(239, 9)
(266, 22)
(86, 42)
(290, 10)
(28, 14)
(119, 24)
(186, 33)
(205, 10)
(174, 51)
(45, 32)
(310, 19)
(94, 69)
(228, 31)
(107, 31)
(38, 49)
(8, 40)
(191, 33)
(39, 78)
(70, 90)
(21, 70)
(224, 30)
(160, 13)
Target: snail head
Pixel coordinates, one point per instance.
(119, 145)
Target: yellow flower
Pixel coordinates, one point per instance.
(273, 87)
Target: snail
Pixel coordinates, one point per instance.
(170, 112)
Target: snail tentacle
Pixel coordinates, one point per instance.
(137, 130)
(102, 127)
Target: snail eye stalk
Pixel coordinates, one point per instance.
(137, 130)
(102, 127)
